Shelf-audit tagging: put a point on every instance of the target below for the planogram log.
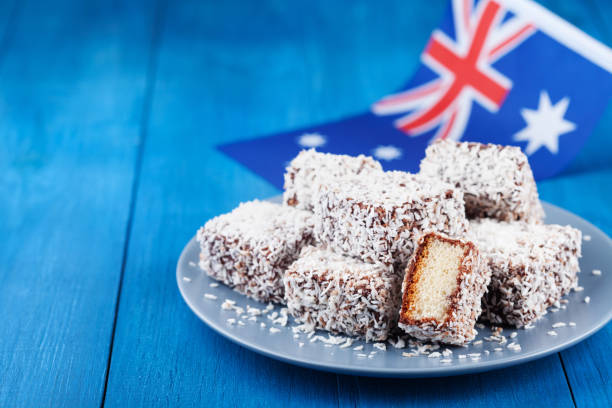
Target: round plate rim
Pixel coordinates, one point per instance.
(442, 371)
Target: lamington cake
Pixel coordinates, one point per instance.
(496, 180)
(342, 294)
(442, 290)
(310, 168)
(378, 217)
(250, 248)
(532, 267)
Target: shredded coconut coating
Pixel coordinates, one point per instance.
(309, 169)
(532, 267)
(250, 248)
(342, 295)
(378, 218)
(464, 305)
(496, 180)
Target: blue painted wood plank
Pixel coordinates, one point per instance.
(539, 383)
(209, 90)
(275, 66)
(72, 76)
(588, 370)
(582, 191)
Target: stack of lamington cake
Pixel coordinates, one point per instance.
(357, 250)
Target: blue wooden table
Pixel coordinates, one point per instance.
(109, 114)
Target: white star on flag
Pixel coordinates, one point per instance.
(311, 140)
(387, 152)
(545, 125)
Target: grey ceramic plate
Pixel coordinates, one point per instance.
(535, 342)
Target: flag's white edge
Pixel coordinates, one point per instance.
(562, 31)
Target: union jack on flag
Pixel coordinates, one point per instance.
(465, 70)
(494, 71)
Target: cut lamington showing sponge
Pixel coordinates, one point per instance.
(310, 168)
(250, 248)
(532, 267)
(342, 295)
(497, 181)
(378, 218)
(442, 290)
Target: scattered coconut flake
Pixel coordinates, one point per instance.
(231, 321)
(361, 355)
(551, 333)
(186, 279)
(474, 355)
(358, 348)
(586, 237)
(214, 285)
(513, 335)
(262, 325)
(226, 306)
(480, 325)
(498, 349)
(380, 346)
(587, 300)
(281, 320)
(191, 263)
(596, 272)
(252, 319)
(446, 361)
(411, 354)
(274, 330)
(462, 356)
(447, 352)
(512, 345)
(296, 336)
(399, 343)
(272, 316)
(238, 310)
(328, 345)
(486, 352)
(578, 289)
(477, 342)
(253, 311)
(434, 354)
(300, 344)
(210, 296)
(240, 323)
(572, 324)
(560, 324)
(268, 308)
(529, 326)
(310, 334)
(347, 344)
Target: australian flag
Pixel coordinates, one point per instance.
(495, 71)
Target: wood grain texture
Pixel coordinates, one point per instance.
(540, 383)
(208, 92)
(72, 80)
(588, 370)
(73, 102)
(582, 189)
